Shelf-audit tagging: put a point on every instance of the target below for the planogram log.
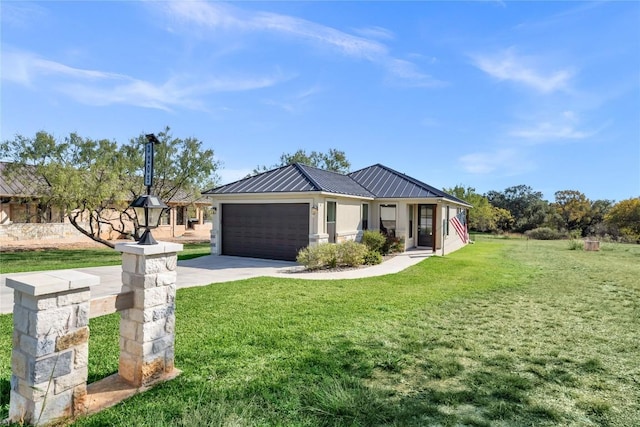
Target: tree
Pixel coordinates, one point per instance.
(333, 160)
(526, 206)
(572, 210)
(482, 217)
(597, 225)
(625, 215)
(93, 181)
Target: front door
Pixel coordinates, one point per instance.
(425, 225)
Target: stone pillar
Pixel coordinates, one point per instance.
(147, 330)
(50, 345)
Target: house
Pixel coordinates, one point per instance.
(276, 213)
(23, 216)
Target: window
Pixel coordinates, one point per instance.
(388, 220)
(446, 225)
(165, 217)
(331, 221)
(331, 211)
(365, 216)
(207, 214)
(180, 215)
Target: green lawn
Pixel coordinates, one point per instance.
(500, 333)
(48, 259)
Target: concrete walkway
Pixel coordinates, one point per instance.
(216, 269)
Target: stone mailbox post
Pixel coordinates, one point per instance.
(147, 330)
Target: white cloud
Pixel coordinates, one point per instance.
(561, 127)
(296, 102)
(507, 65)
(24, 68)
(21, 14)
(375, 32)
(504, 162)
(226, 17)
(550, 131)
(96, 87)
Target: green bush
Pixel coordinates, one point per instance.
(393, 245)
(544, 233)
(351, 253)
(372, 258)
(576, 244)
(309, 257)
(331, 255)
(328, 255)
(373, 240)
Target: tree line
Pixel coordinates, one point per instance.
(520, 209)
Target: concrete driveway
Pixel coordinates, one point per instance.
(216, 269)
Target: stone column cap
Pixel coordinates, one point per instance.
(50, 282)
(160, 248)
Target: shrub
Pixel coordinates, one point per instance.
(544, 233)
(309, 257)
(331, 255)
(372, 258)
(328, 255)
(351, 253)
(392, 245)
(373, 240)
(396, 245)
(575, 244)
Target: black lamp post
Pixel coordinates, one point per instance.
(148, 208)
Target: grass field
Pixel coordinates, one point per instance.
(39, 260)
(500, 333)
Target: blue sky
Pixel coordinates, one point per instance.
(483, 94)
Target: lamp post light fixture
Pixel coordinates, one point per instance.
(148, 208)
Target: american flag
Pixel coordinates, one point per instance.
(459, 222)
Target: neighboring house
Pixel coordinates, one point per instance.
(24, 217)
(276, 213)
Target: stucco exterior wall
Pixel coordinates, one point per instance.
(348, 218)
(452, 241)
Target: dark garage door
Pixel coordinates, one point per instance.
(272, 231)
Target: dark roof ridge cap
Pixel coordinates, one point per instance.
(345, 175)
(366, 167)
(320, 169)
(313, 182)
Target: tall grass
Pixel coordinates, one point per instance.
(504, 332)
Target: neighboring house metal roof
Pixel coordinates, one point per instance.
(294, 178)
(376, 181)
(386, 183)
(24, 184)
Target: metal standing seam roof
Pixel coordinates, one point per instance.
(294, 178)
(23, 184)
(334, 182)
(376, 181)
(386, 183)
